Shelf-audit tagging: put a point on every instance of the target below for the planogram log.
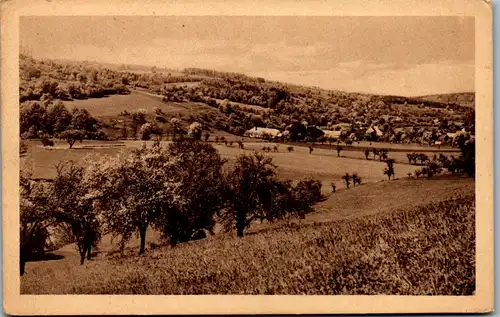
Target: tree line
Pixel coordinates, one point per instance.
(181, 191)
(45, 120)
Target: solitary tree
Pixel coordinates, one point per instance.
(389, 170)
(367, 153)
(347, 179)
(249, 187)
(339, 149)
(72, 135)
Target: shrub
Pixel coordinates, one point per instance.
(47, 142)
(308, 191)
(356, 179)
(195, 130)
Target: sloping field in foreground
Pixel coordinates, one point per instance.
(424, 250)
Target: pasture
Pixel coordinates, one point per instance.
(322, 164)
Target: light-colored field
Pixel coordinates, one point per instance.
(322, 164)
(115, 104)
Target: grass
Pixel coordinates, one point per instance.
(113, 105)
(427, 250)
(322, 164)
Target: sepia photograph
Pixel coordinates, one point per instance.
(249, 155)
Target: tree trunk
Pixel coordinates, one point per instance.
(240, 224)
(142, 233)
(89, 251)
(82, 250)
(240, 232)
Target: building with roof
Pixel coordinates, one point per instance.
(258, 132)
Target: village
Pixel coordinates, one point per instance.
(349, 133)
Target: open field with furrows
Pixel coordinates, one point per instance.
(412, 237)
(322, 164)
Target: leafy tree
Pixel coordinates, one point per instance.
(195, 130)
(468, 156)
(138, 119)
(383, 154)
(347, 179)
(339, 149)
(308, 191)
(423, 158)
(389, 170)
(36, 215)
(72, 135)
(76, 197)
(249, 186)
(356, 179)
(197, 171)
(411, 157)
(138, 190)
(82, 120)
(176, 126)
(59, 117)
(32, 116)
(367, 153)
(145, 131)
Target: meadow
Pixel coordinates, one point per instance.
(321, 164)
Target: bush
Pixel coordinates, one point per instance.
(308, 191)
(47, 142)
(145, 132)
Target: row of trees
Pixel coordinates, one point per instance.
(41, 80)
(39, 120)
(180, 190)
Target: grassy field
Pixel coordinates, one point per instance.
(113, 105)
(351, 245)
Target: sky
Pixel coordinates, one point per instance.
(408, 56)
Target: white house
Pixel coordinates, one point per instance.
(261, 132)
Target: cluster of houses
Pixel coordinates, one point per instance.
(344, 131)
